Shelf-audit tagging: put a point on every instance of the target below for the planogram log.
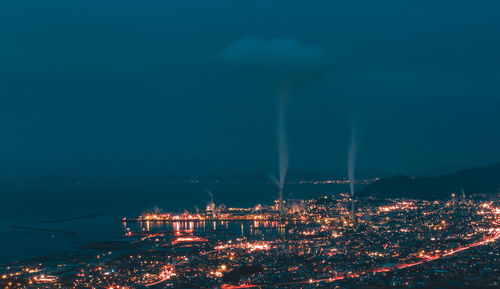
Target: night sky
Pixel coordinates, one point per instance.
(113, 88)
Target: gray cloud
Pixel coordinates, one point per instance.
(278, 58)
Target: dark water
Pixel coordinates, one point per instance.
(228, 228)
(29, 204)
(18, 244)
(22, 244)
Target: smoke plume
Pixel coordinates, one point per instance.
(210, 194)
(352, 160)
(282, 139)
(285, 61)
(274, 180)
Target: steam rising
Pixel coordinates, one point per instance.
(351, 166)
(284, 60)
(274, 180)
(282, 143)
(352, 160)
(210, 194)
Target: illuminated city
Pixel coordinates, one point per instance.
(317, 243)
(249, 144)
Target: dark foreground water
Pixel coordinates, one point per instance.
(19, 244)
(31, 204)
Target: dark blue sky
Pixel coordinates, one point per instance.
(143, 87)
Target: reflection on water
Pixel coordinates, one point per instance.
(20, 242)
(236, 228)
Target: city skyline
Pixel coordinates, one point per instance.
(264, 144)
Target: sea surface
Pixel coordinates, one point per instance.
(18, 244)
(34, 205)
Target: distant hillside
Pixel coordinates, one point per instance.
(477, 180)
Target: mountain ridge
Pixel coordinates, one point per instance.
(476, 180)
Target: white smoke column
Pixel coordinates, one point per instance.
(277, 183)
(279, 59)
(351, 165)
(282, 142)
(274, 180)
(352, 160)
(211, 195)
